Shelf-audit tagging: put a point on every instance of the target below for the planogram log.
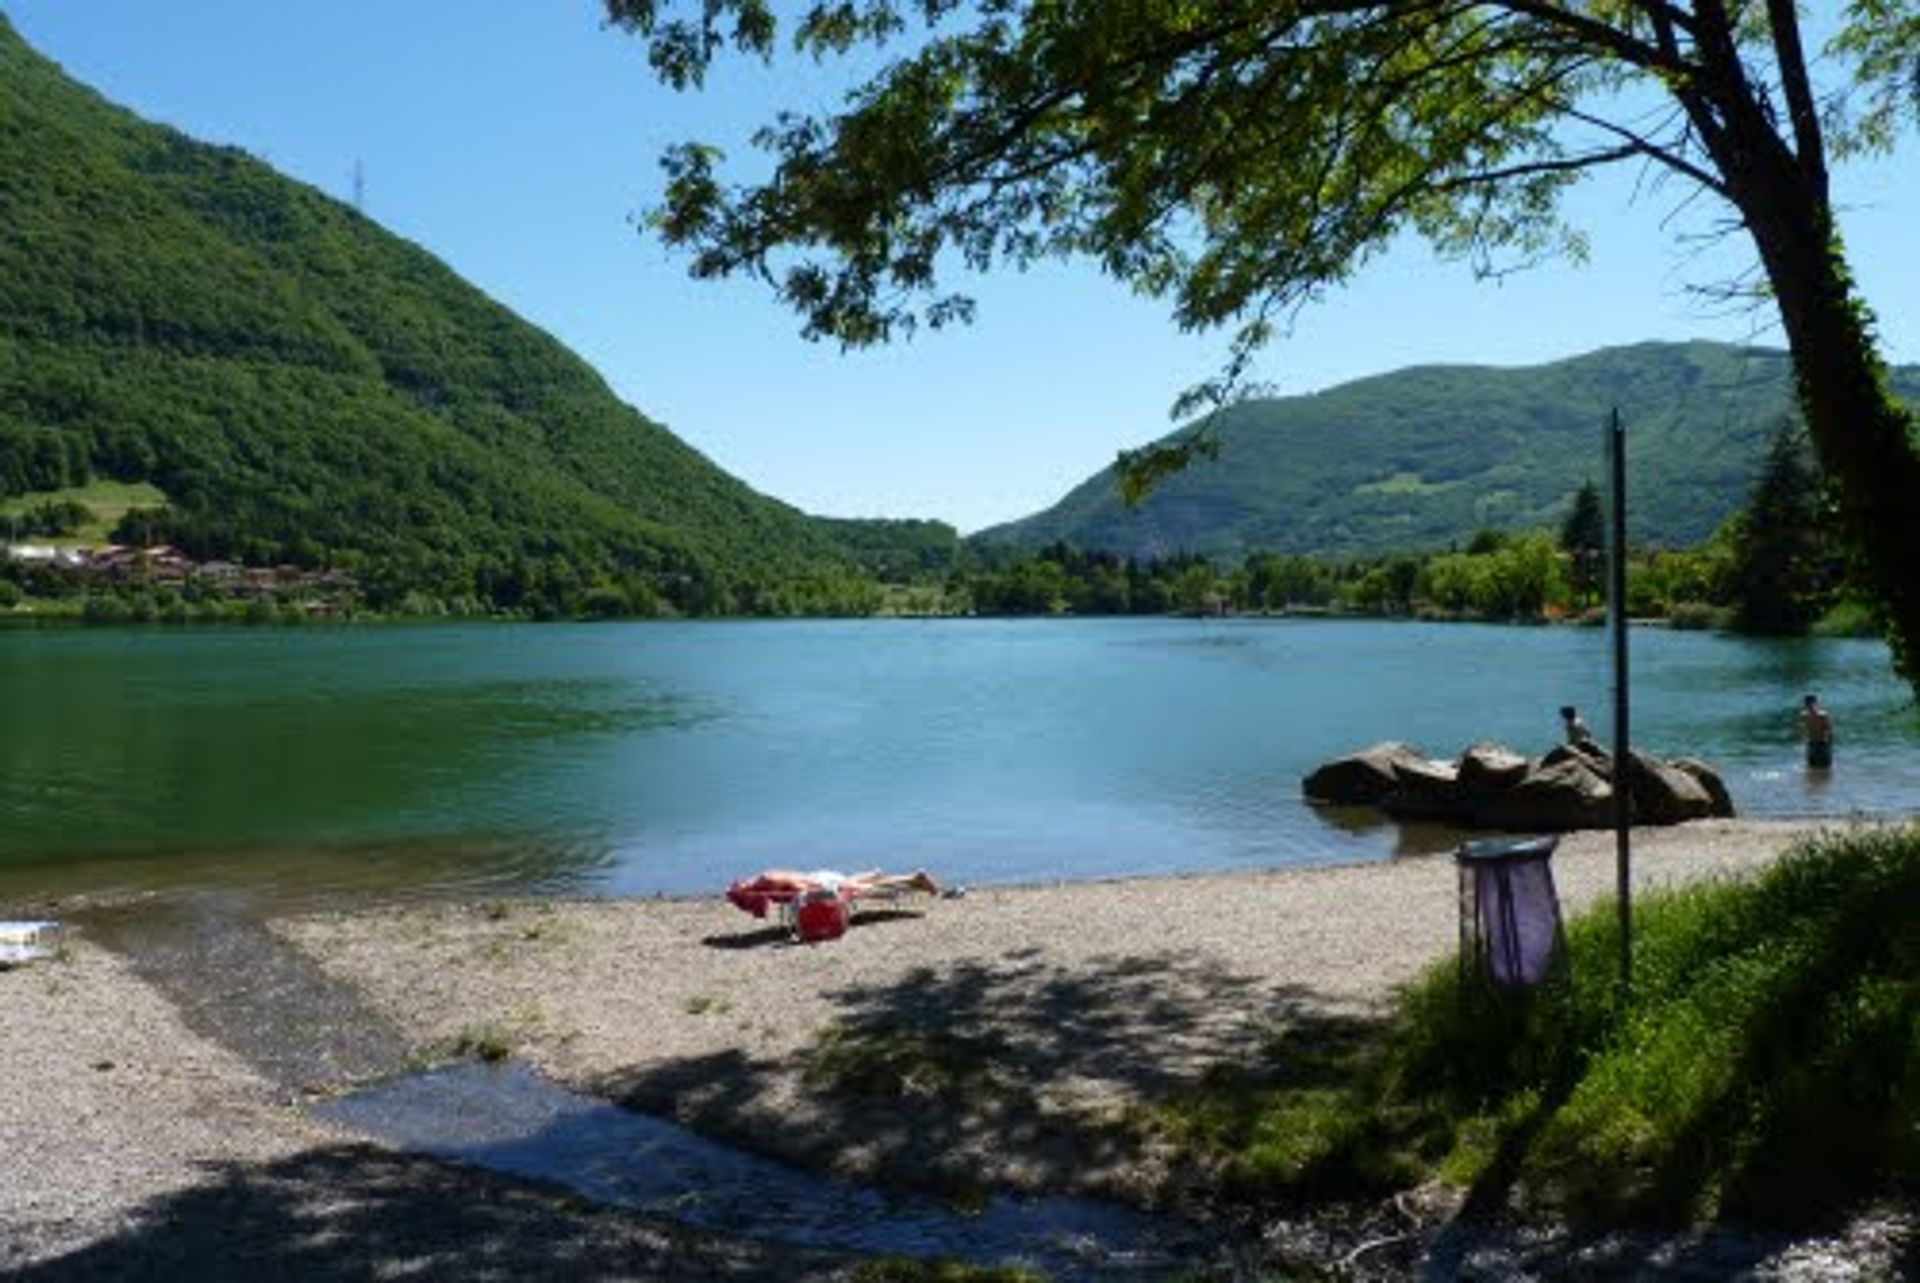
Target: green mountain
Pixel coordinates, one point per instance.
(1421, 458)
(305, 387)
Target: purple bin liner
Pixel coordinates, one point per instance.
(1507, 887)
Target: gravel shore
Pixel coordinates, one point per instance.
(126, 1129)
(110, 1101)
(134, 1147)
(1065, 1003)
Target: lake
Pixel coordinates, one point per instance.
(644, 758)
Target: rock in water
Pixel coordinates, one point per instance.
(1426, 790)
(1709, 779)
(1664, 794)
(1361, 779)
(1569, 794)
(1492, 787)
(1587, 753)
(1490, 766)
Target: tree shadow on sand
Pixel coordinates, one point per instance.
(356, 1211)
(1004, 1073)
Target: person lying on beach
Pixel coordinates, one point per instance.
(849, 884)
(783, 886)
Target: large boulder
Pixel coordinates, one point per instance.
(1709, 779)
(1586, 752)
(1425, 790)
(1492, 787)
(1490, 767)
(1363, 778)
(1665, 794)
(1569, 794)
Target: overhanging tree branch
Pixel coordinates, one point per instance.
(1600, 36)
(1528, 169)
(1668, 156)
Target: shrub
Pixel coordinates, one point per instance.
(104, 609)
(1850, 618)
(1696, 616)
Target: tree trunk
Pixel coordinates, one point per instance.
(1862, 435)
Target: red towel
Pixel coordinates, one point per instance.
(756, 895)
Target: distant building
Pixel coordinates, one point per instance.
(46, 554)
(162, 564)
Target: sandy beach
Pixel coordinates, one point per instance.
(1051, 1010)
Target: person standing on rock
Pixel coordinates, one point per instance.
(1578, 732)
(1817, 725)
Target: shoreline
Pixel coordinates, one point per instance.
(294, 891)
(996, 1041)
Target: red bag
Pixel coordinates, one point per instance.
(820, 915)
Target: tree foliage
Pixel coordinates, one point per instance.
(1785, 566)
(1583, 537)
(36, 458)
(1585, 528)
(1238, 158)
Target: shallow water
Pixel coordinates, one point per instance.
(665, 758)
(511, 1120)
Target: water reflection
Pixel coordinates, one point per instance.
(1401, 837)
(249, 742)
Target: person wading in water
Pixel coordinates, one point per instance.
(1818, 726)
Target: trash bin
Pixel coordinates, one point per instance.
(1510, 929)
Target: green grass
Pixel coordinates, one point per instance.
(107, 500)
(1766, 1067)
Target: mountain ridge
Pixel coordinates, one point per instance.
(1419, 458)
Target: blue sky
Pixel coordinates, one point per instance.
(517, 140)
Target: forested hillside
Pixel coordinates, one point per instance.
(307, 388)
(1422, 458)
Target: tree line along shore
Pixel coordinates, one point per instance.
(1774, 567)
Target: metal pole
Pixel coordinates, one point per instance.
(1617, 616)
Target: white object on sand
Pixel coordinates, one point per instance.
(27, 942)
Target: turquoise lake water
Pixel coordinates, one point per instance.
(667, 758)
